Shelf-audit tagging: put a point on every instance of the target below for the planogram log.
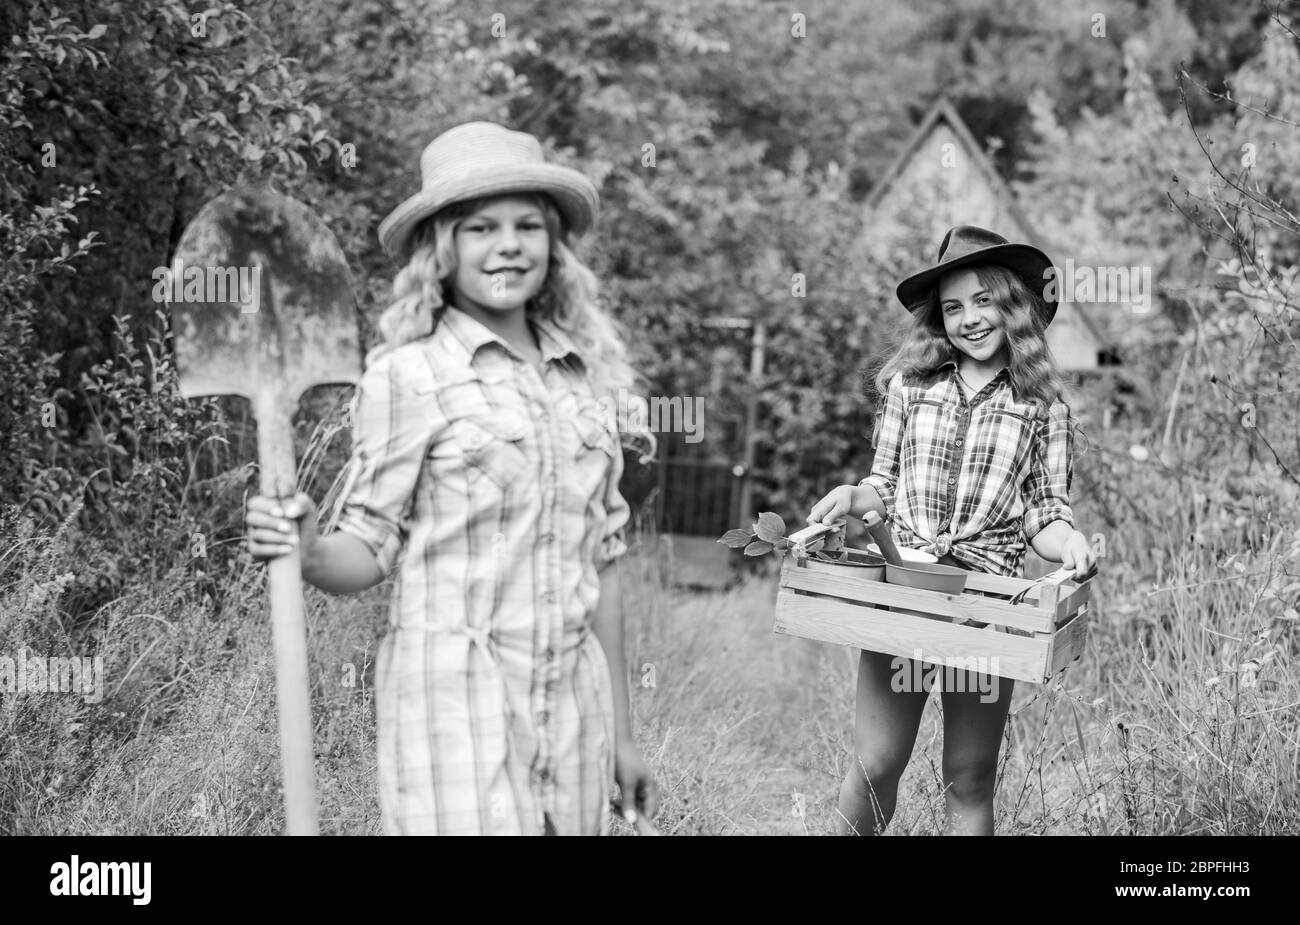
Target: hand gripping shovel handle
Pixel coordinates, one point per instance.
(638, 821)
(644, 826)
(288, 630)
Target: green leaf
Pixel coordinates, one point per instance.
(758, 548)
(96, 31)
(736, 538)
(770, 527)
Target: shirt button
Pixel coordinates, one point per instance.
(543, 775)
(548, 537)
(550, 655)
(543, 718)
(952, 481)
(549, 597)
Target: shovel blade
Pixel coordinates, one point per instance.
(261, 300)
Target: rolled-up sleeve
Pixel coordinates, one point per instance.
(392, 427)
(613, 543)
(1047, 489)
(888, 440)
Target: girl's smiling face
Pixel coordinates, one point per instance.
(502, 253)
(971, 319)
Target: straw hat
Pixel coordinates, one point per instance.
(966, 245)
(480, 159)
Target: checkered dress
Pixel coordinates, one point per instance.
(976, 478)
(494, 489)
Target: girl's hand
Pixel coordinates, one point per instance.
(275, 526)
(845, 500)
(636, 781)
(1076, 553)
(837, 503)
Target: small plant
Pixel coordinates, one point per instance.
(768, 533)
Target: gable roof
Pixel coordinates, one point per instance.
(942, 111)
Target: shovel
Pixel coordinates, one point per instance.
(262, 307)
(879, 531)
(926, 575)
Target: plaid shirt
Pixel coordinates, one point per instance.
(977, 478)
(494, 489)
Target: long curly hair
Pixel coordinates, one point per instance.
(924, 346)
(568, 298)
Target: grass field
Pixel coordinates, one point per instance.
(1180, 719)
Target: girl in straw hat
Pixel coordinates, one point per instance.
(486, 469)
(973, 461)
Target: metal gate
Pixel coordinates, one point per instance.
(697, 497)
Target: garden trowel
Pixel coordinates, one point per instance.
(262, 307)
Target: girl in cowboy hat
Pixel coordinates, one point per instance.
(973, 462)
(486, 470)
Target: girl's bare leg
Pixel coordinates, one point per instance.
(973, 721)
(883, 735)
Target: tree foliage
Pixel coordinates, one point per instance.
(732, 143)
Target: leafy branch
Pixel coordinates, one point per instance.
(768, 534)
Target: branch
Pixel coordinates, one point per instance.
(1266, 204)
(1227, 98)
(1286, 470)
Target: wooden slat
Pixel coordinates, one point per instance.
(996, 584)
(1068, 642)
(1072, 599)
(829, 620)
(839, 582)
(1078, 597)
(1040, 595)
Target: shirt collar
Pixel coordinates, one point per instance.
(555, 343)
(1001, 380)
(1002, 373)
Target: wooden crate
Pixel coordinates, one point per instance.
(1030, 641)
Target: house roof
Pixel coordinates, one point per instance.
(942, 111)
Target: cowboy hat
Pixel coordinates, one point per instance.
(478, 159)
(966, 245)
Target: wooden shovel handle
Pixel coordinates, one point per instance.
(288, 631)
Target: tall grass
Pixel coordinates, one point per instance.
(1180, 718)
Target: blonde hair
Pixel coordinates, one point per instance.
(925, 346)
(568, 299)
